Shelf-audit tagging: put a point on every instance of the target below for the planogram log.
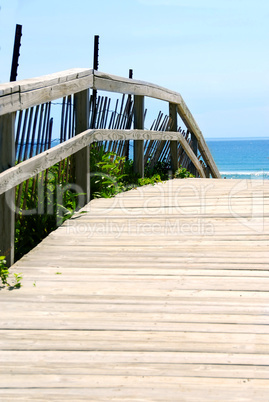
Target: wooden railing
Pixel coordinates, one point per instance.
(27, 93)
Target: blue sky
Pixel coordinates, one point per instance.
(214, 53)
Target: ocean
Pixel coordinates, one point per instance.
(235, 158)
(241, 158)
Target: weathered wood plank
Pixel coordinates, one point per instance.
(10, 103)
(134, 340)
(136, 369)
(27, 93)
(188, 392)
(149, 382)
(39, 163)
(57, 91)
(54, 79)
(132, 357)
(9, 88)
(129, 318)
(113, 83)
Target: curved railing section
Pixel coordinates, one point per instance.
(27, 93)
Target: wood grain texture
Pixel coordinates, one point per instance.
(113, 83)
(139, 144)
(173, 144)
(82, 157)
(29, 168)
(27, 93)
(34, 91)
(119, 306)
(7, 200)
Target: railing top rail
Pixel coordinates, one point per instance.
(43, 81)
(23, 94)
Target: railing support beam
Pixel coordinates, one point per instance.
(173, 144)
(82, 157)
(139, 144)
(7, 200)
(194, 142)
(207, 172)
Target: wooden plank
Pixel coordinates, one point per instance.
(134, 340)
(56, 91)
(9, 88)
(9, 103)
(65, 323)
(148, 382)
(128, 318)
(132, 357)
(163, 273)
(146, 266)
(112, 83)
(136, 369)
(53, 79)
(193, 392)
(27, 93)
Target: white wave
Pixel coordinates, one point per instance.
(247, 173)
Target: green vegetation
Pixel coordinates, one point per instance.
(182, 173)
(4, 276)
(3, 271)
(108, 175)
(113, 174)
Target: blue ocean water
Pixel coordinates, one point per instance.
(235, 158)
(241, 158)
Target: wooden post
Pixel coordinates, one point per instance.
(82, 158)
(7, 200)
(16, 53)
(139, 144)
(207, 172)
(173, 144)
(194, 141)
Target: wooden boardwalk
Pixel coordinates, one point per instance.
(159, 294)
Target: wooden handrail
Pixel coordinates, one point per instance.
(27, 93)
(31, 167)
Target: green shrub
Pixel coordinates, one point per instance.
(107, 173)
(162, 168)
(149, 180)
(3, 271)
(4, 275)
(49, 213)
(182, 173)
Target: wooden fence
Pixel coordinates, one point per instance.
(20, 95)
